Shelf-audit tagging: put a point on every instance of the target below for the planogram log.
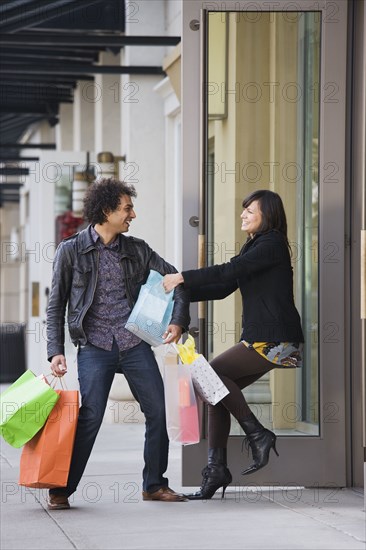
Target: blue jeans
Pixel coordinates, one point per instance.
(96, 370)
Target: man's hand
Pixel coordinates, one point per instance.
(171, 281)
(58, 365)
(172, 334)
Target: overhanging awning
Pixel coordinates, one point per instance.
(46, 46)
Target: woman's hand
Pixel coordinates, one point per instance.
(171, 281)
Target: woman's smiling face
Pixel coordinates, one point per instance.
(251, 218)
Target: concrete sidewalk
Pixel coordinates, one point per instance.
(108, 511)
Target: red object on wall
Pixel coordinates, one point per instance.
(66, 225)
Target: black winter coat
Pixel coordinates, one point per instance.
(263, 273)
(75, 270)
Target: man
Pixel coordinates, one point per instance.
(97, 274)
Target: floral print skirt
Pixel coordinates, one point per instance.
(281, 354)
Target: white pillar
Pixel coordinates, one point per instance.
(84, 116)
(10, 260)
(105, 94)
(65, 129)
(143, 125)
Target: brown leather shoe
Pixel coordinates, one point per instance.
(58, 502)
(165, 494)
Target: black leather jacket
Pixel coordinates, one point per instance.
(75, 270)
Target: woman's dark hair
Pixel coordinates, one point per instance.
(103, 197)
(273, 212)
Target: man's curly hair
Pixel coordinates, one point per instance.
(103, 197)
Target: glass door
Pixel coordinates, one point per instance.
(263, 128)
(272, 93)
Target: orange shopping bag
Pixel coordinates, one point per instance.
(45, 459)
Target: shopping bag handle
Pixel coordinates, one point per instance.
(176, 349)
(54, 381)
(62, 382)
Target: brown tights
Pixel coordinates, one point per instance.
(238, 367)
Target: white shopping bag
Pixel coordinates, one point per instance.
(181, 407)
(207, 383)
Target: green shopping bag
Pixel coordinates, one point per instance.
(25, 407)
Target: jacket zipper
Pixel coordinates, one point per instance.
(90, 303)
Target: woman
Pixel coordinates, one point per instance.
(271, 330)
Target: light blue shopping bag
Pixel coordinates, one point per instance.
(152, 312)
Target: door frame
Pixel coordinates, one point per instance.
(297, 465)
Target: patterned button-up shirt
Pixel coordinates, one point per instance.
(107, 316)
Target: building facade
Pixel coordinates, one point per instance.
(253, 95)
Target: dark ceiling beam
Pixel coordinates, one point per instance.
(8, 93)
(67, 84)
(83, 39)
(8, 119)
(39, 76)
(21, 56)
(44, 65)
(13, 186)
(54, 51)
(23, 122)
(15, 120)
(49, 109)
(32, 99)
(33, 111)
(8, 198)
(13, 136)
(40, 109)
(82, 69)
(8, 6)
(49, 146)
(32, 86)
(36, 14)
(6, 59)
(13, 171)
(11, 158)
(46, 87)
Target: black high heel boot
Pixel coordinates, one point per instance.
(215, 475)
(260, 440)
